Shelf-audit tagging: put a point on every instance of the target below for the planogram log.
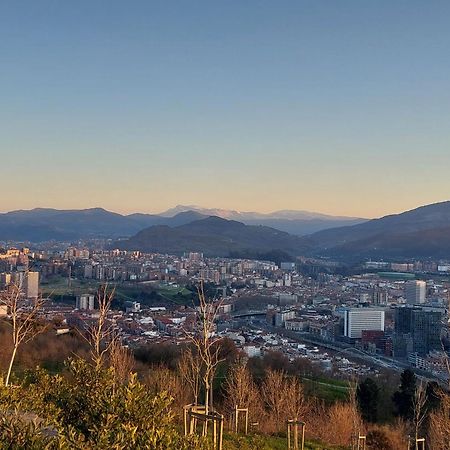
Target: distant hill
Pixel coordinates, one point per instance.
(146, 220)
(422, 232)
(214, 236)
(50, 224)
(42, 224)
(294, 222)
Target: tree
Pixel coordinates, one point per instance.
(206, 345)
(241, 391)
(338, 424)
(433, 395)
(367, 395)
(403, 398)
(439, 428)
(377, 439)
(100, 335)
(120, 360)
(354, 414)
(284, 398)
(162, 379)
(297, 406)
(155, 354)
(419, 409)
(189, 370)
(274, 395)
(24, 319)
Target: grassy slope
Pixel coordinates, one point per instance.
(258, 442)
(328, 389)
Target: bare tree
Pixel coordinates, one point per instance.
(355, 416)
(275, 396)
(160, 378)
(297, 406)
(242, 392)
(121, 360)
(206, 344)
(100, 334)
(335, 424)
(284, 398)
(446, 359)
(419, 409)
(24, 315)
(439, 425)
(189, 370)
(439, 430)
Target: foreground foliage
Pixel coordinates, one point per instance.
(87, 408)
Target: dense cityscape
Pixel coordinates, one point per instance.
(381, 317)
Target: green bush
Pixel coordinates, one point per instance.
(87, 408)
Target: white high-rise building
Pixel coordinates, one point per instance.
(32, 284)
(415, 292)
(359, 319)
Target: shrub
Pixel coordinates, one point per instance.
(87, 408)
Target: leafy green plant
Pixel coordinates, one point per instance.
(87, 408)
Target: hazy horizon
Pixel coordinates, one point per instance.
(340, 108)
(196, 206)
(154, 211)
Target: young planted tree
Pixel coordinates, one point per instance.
(241, 391)
(24, 319)
(439, 418)
(189, 370)
(354, 414)
(100, 335)
(297, 407)
(275, 396)
(121, 360)
(420, 409)
(284, 398)
(439, 428)
(206, 345)
(162, 379)
(339, 424)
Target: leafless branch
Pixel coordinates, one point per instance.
(207, 348)
(24, 318)
(99, 335)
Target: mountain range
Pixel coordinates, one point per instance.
(42, 224)
(296, 222)
(420, 233)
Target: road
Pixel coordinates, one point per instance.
(374, 360)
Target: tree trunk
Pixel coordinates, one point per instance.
(11, 362)
(205, 423)
(206, 398)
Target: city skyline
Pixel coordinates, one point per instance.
(336, 108)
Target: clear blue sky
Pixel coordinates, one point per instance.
(333, 106)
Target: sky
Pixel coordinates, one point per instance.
(340, 107)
